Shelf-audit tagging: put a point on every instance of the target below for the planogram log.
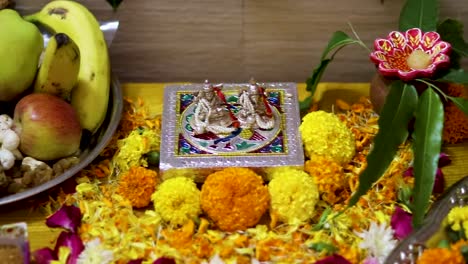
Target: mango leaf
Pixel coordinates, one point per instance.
(317, 74)
(338, 40)
(455, 76)
(461, 103)
(451, 30)
(396, 113)
(426, 147)
(114, 3)
(304, 105)
(421, 14)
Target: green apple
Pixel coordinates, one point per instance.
(21, 45)
(48, 127)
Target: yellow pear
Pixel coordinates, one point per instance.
(21, 45)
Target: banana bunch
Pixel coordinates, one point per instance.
(90, 89)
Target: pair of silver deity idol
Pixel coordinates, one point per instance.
(214, 114)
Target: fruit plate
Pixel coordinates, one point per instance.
(414, 244)
(88, 153)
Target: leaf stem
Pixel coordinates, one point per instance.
(360, 42)
(433, 86)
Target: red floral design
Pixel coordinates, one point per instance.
(391, 54)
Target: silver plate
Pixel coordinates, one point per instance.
(408, 250)
(97, 143)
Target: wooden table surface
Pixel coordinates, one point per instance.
(41, 236)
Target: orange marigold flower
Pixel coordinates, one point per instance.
(330, 178)
(455, 121)
(442, 255)
(137, 185)
(455, 124)
(234, 198)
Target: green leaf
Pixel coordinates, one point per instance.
(421, 14)
(323, 219)
(451, 31)
(322, 246)
(338, 40)
(396, 113)
(304, 105)
(426, 147)
(317, 74)
(455, 76)
(461, 103)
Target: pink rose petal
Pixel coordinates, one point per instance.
(444, 160)
(164, 260)
(44, 256)
(73, 242)
(439, 182)
(333, 259)
(401, 223)
(68, 217)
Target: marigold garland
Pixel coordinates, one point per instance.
(234, 198)
(455, 121)
(134, 234)
(132, 148)
(330, 179)
(137, 185)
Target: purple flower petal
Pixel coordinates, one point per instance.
(439, 182)
(409, 172)
(68, 217)
(136, 261)
(73, 242)
(444, 160)
(44, 256)
(333, 259)
(164, 260)
(401, 223)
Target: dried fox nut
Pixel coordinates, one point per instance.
(64, 164)
(4, 181)
(35, 172)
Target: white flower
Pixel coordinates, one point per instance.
(95, 253)
(378, 241)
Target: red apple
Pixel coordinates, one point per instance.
(48, 127)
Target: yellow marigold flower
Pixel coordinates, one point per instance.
(293, 196)
(133, 147)
(177, 200)
(234, 198)
(458, 218)
(330, 178)
(137, 185)
(325, 135)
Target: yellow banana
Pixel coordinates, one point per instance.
(90, 96)
(60, 66)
